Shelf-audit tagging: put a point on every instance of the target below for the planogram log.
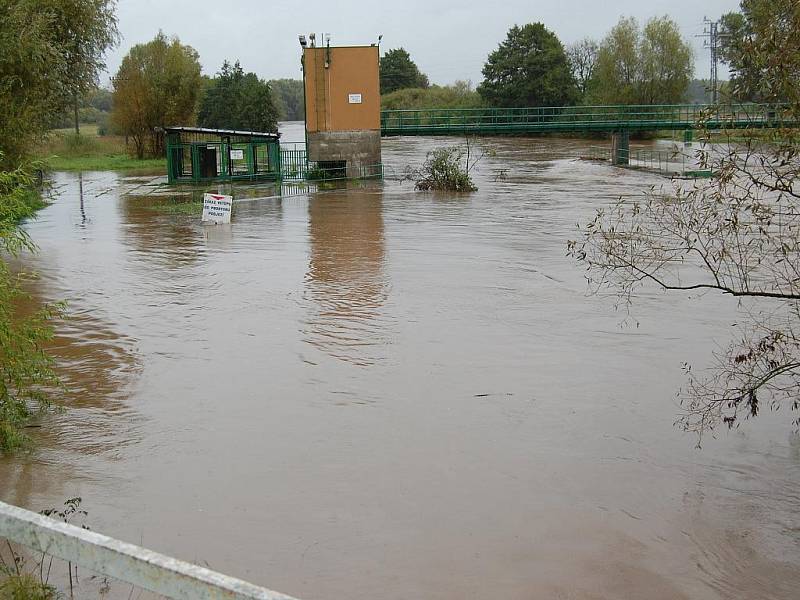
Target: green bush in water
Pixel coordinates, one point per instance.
(443, 171)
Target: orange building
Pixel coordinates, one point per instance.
(343, 108)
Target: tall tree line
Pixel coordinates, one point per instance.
(652, 64)
(238, 100)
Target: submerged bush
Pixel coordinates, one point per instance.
(443, 170)
(25, 369)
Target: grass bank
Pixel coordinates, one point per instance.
(65, 151)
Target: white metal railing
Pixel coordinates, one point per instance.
(140, 567)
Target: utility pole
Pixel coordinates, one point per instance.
(710, 37)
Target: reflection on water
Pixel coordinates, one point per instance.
(96, 366)
(346, 284)
(158, 241)
(93, 421)
(493, 431)
(80, 192)
(95, 362)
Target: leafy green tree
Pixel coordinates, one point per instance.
(238, 100)
(86, 29)
(29, 97)
(530, 68)
(667, 63)
(741, 33)
(398, 71)
(649, 66)
(582, 61)
(736, 30)
(50, 51)
(157, 85)
(618, 69)
(289, 98)
(733, 28)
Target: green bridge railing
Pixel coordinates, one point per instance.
(582, 118)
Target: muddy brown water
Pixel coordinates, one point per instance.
(375, 393)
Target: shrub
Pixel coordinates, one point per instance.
(24, 587)
(443, 170)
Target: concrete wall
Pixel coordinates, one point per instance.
(620, 148)
(360, 149)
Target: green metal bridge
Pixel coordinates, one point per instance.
(571, 119)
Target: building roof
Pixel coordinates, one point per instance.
(222, 132)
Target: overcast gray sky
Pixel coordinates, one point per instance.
(449, 40)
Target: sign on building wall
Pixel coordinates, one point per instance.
(237, 154)
(354, 98)
(217, 208)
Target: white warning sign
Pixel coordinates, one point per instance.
(217, 208)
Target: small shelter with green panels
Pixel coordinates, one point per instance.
(197, 154)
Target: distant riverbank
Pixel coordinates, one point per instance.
(66, 151)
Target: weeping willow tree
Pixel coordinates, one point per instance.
(736, 234)
(51, 52)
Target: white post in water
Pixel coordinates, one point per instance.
(140, 567)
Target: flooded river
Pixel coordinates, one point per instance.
(373, 393)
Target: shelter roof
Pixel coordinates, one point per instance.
(223, 132)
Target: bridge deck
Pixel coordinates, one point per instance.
(581, 119)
